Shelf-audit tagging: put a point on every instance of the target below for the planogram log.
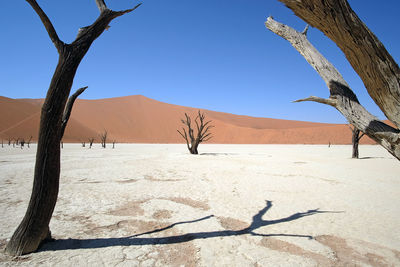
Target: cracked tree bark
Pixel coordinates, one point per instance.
(34, 227)
(341, 96)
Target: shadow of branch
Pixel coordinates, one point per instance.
(136, 240)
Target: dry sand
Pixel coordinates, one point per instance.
(138, 119)
(233, 205)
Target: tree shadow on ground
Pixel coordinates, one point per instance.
(135, 240)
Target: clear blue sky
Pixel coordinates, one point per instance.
(212, 54)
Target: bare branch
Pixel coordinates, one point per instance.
(304, 32)
(341, 96)
(68, 108)
(47, 24)
(327, 101)
(122, 12)
(101, 5)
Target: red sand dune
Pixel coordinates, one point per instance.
(139, 119)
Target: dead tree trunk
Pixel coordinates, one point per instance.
(22, 143)
(356, 136)
(202, 134)
(113, 142)
(9, 141)
(29, 141)
(34, 227)
(366, 54)
(91, 140)
(83, 144)
(341, 96)
(103, 139)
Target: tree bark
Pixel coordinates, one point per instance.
(355, 141)
(341, 96)
(367, 55)
(34, 228)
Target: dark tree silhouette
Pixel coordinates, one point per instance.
(103, 138)
(29, 141)
(22, 143)
(202, 131)
(91, 140)
(34, 228)
(113, 142)
(356, 136)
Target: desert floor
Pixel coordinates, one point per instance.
(233, 205)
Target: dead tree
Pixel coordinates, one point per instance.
(22, 143)
(341, 96)
(113, 142)
(29, 141)
(368, 57)
(9, 139)
(34, 228)
(356, 136)
(202, 132)
(83, 143)
(91, 140)
(2, 145)
(103, 138)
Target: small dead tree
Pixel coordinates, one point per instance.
(9, 139)
(356, 136)
(29, 141)
(22, 143)
(83, 143)
(103, 138)
(91, 140)
(113, 142)
(2, 143)
(202, 131)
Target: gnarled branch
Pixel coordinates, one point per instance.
(47, 24)
(366, 54)
(341, 96)
(68, 108)
(328, 101)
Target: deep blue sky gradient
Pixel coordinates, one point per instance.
(212, 54)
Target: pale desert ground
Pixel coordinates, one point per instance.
(233, 205)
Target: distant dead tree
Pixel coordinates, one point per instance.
(34, 227)
(355, 140)
(29, 141)
(103, 138)
(9, 139)
(113, 142)
(91, 140)
(367, 55)
(202, 131)
(83, 143)
(22, 142)
(2, 143)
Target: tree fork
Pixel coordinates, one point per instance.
(341, 96)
